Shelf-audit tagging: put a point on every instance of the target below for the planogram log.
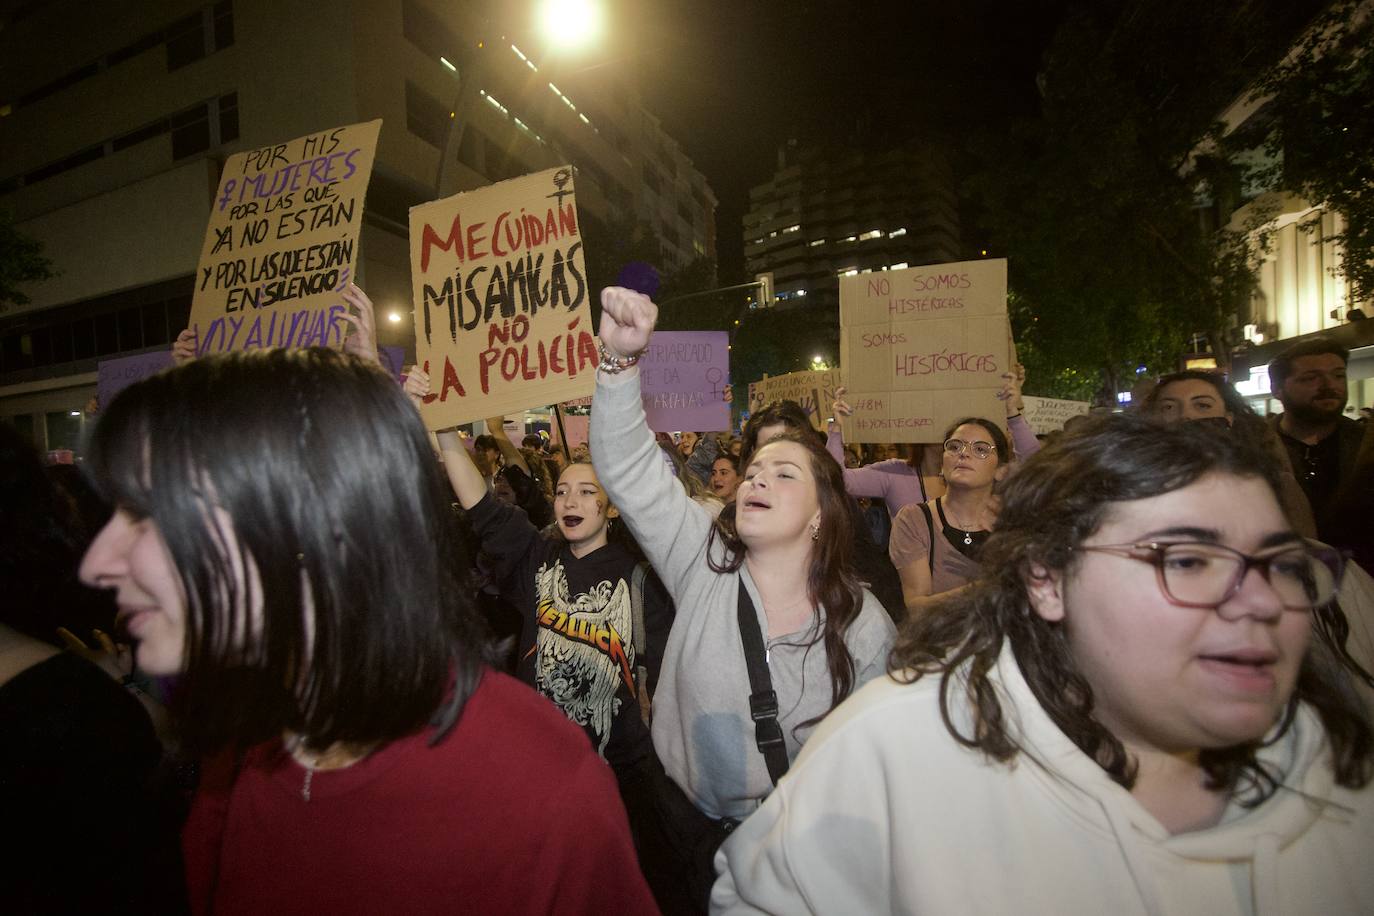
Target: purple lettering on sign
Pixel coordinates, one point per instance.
(683, 375)
(114, 375)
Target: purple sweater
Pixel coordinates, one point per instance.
(898, 483)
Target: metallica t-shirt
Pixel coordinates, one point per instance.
(577, 640)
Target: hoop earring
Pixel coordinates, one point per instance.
(815, 532)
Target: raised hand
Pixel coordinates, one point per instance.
(1011, 391)
(839, 408)
(417, 385)
(184, 349)
(627, 320)
(362, 339)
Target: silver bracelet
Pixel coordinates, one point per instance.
(612, 364)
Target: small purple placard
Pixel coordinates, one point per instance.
(114, 375)
(393, 360)
(683, 375)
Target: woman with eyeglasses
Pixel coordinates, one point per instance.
(1144, 706)
(935, 544)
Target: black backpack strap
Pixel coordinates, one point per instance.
(640, 639)
(763, 701)
(930, 526)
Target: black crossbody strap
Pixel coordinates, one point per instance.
(930, 526)
(763, 701)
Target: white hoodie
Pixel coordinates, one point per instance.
(884, 812)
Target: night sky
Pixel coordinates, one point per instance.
(732, 79)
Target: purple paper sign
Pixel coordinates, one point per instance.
(114, 375)
(393, 359)
(683, 375)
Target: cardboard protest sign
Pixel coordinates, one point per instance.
(283, 242)
(682, 377)
(114, 375)
(1045, 415)
(502, 318)
(578, 428)
(813, 389)
(923, 347)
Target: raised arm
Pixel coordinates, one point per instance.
(1023, 440)
(702, 457)
(669, 527)
(468, 483)
(834, 440)
(362, 339)
(496, 429)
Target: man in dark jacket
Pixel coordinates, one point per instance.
(1322, 443)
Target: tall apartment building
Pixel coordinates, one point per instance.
(827, 214)
(116, 117)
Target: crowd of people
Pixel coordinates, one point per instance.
(319, 659)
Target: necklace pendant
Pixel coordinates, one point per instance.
(968, 538)
(305, 786)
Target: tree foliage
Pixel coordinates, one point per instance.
(1321, 142)
(21, 261)
(1112, 265)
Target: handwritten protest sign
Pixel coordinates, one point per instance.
(114, 375)
(502, 319)
(813, 389)
(283, 243)
(1045, 415)
(923, 347)
(682, 376)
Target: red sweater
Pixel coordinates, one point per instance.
(511, 813)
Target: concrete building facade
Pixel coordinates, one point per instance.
(116, 117)
(1300, 291)
(827, 214)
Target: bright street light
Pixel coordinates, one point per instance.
(816, 359)
(394, 317)
(571, 24)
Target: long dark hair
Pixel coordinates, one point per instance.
(830, 582)
(319, 467)
(1244, 420)
(1054, 502)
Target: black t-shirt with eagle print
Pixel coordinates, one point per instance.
(577, 640)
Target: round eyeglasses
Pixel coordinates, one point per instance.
(1204, 575)
(979, 450)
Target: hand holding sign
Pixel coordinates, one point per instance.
(1011, 392)
(839, 408)
(362, 340)
(184, 350)
(417, 385)
(627, 320)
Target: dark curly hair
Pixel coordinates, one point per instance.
(1050, 507)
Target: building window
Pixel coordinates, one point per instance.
(228, 117)
(191, 131)
(203, 32)
(815, 243)
(222, 25)
(426, 116)
(871, 234)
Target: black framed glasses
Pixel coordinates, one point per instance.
(1205, 575)
(979, 450)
